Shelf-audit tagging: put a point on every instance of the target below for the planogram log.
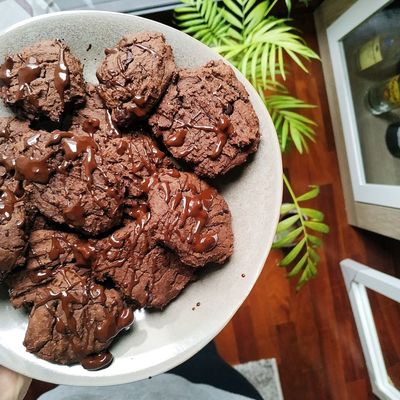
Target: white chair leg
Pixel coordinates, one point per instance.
(357, 278)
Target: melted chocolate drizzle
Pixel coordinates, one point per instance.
(124, 58)
(137, 106)
(56, 249)
(7, 202)
(75, 214)
(91, 125)
(61, 72)
(5, 132)
(117, 244)
(33, 170)
(7, 162)
(197, 206)
(82, 250)
(75, 146)
(122, 147)
(95, 362)
(112, 129)
(223, 128)
(6, 71)
(104, 331)
(193, 204)
(177, 138)
(26, 75)
(145, 48)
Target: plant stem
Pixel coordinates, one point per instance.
(296, 204)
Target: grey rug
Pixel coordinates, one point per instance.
(264, 376)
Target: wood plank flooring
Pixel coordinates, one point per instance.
(311, 333)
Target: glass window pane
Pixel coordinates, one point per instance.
(373, 61)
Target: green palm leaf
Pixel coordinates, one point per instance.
(302, 258)
(202, 19)
(289, 123)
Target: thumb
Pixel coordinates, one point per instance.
(13, 385)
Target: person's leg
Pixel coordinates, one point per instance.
(208, 367)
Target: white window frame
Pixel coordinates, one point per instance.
(384, 195)
(126, 6)
(357, 278)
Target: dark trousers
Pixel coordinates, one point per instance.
(209, 368)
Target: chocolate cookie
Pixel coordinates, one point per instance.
(42, 80)
(61, 173)
(206, 119)
(134, 75)
(94, 118)
(79, 193)
(147, 274)
(14, 220)
(72, 318)
(190, 217)
(13, 228)
(133, 158)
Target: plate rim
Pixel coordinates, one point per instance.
(46, 372)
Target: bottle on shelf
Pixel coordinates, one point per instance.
(379, 56)
(393, 139)
(384, 96)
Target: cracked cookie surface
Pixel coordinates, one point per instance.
(134, 75)
(207, 120)
(42, 80)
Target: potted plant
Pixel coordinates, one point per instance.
(257, 43)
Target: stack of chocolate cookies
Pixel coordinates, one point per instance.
(103, 206)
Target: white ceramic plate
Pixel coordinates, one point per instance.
(159, 340)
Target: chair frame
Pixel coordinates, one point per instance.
(357, 278)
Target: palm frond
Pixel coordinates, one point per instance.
(300, 225)
(290, 125)
(203, 20)
(264, 45)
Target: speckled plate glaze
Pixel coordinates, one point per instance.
(159, 340)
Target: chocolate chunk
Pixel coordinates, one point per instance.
(42, 80)
(144, 272)
(190, 217)
(206, 119)
(134, 75)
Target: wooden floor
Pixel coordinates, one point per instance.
(311, 333)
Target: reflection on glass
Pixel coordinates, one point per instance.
(372, 52)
